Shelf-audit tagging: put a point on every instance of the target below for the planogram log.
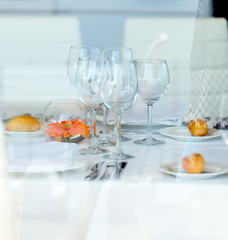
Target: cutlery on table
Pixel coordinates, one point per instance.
(108, 171)
(94, 171)
(119, 169)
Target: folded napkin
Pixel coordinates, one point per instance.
(40, 157)
(162, 114)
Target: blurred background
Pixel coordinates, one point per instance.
(36, 36)
(101, 22)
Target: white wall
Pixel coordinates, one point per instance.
(101, 20)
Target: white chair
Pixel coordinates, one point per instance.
(209, 68)
(167, 38)
(33, 58)
(183, 42)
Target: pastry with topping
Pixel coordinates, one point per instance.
(198, 127)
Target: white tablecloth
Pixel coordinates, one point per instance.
(144, 204)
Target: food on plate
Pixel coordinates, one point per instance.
(198, 127)
(23, 123)
(193, 163)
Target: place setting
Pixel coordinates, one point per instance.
(211, 170)
(128, 92)
(24, 125)
(196, 166)
(70, 122)
(183, 134)
(62, 125)
(197, 162)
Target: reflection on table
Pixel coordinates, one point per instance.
(143, 203)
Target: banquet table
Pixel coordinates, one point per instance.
(144, 203)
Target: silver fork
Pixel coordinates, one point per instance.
(94, 171)
(119, 168)
(108, 171)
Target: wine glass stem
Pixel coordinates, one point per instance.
(149, 121)
(93, 123)
(104, 120)
(118, 134)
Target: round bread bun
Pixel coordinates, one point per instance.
(198, 127)
(193, 163)
(23, 123)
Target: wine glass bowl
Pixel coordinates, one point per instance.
(118, 53)
(153, 82)
(66, 120)
(75, 52)
(121, 91)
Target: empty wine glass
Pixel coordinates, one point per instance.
(153, 82)
(119, 93)
(91, 71)
(116, 54)
(74, 54)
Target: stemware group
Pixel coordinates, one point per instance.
(112, 79)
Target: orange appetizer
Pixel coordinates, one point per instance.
(198, 127)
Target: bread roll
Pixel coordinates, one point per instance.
(193, 163)
(198, 127)
(23, 123)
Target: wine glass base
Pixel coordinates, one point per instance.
(93, 150)
(118, 156)
(125, 139)
(106, 143)
(149, 141)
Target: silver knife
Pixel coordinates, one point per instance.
(119, 168)
(108, 171)
(95, 171)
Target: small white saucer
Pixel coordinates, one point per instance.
(210, 170)
(183, 134)
(24, 134)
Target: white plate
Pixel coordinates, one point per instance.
(167, 114)
(172, 121)
(24, 134)
(43, 157)
(210, 170)
(182, 133)
(45, 169)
